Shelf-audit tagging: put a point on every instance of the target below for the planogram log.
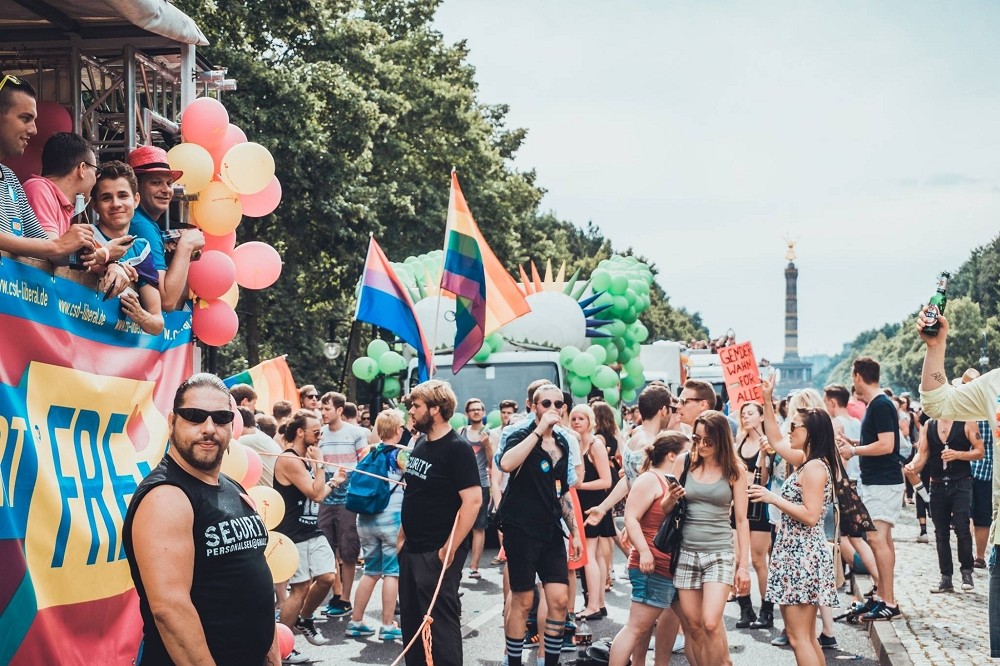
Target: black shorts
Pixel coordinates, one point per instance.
(763, 525)
(981, 506)
(482, 518)
(528, 557)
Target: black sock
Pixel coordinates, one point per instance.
(923, 528)
(515, 646)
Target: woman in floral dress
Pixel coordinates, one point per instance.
(801, 576)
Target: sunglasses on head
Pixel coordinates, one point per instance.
(549, 403)
(195, 415)
(13, 79)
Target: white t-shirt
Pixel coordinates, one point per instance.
(852, 431)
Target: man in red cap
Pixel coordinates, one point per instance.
(156, 181)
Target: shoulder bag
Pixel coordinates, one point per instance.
(668, 536)
(854, 517)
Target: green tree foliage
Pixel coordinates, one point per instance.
(366, 109)
(973, 303)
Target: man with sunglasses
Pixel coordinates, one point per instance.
(532, 513)
(195, 545)
(20, 232)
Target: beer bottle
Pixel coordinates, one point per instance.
(757, 510)
(79, 217)
(936, 305)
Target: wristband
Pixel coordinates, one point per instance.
(536, 434)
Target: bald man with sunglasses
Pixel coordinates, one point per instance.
(195, 545)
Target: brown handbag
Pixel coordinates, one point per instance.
(854, 517)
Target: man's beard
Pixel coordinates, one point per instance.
(424, 424)
(205, 463)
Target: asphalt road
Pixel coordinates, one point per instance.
(483, 632)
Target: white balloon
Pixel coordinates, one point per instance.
(436, 315)
(555, 320)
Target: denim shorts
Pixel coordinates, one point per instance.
(652, 589)
(378, 535)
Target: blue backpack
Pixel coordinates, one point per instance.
(368, 495)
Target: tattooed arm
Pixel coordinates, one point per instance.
(569, 515)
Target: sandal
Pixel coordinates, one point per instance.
(474, 573)
(596, 615)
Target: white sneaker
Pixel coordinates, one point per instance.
(296, 657)
(678, 644)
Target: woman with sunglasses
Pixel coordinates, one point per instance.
(801, 575)
(592, 491)
(752, 451)
(709, 565)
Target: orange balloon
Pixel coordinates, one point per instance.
(218, 209)
(282, 556)
(270, 505)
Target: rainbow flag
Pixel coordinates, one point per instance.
(272, 380)
(486, 296)
(385, 302)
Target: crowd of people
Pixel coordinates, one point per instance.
(128, 249)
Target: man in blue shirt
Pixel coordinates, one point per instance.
(156, 189)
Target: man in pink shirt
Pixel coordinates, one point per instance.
(69, 167)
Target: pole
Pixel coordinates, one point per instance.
(347, 354)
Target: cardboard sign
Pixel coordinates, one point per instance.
(741, 375)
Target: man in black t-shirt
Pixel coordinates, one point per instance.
(195, 545)
(881, 485)
(442, 492)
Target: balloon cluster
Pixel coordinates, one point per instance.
(232, 178)
(612, 363)
(380, 360)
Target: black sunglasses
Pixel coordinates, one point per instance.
(548, 403)
(313, 396)
(195, 415)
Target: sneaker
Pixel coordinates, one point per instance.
(882, 611)
(867, 607)
(781, 640)
(296, 657)
(827, 642)
(474, 573)
(979, 563)
(871, 593)
(569, 637)
(338, 608)
(358, 629)
(944, 586)
(967, 583)
(922, 538)
(307, 628)
(678, 644)
(390, 633)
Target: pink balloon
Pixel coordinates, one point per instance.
(286, 641)
(52, 118)
(233, 136)
(28, 164)
(254, 467)
(224, 244)
(237, 421)
(264, 202)
(215, 323)
(212, 275)
(258, 265)
(204, 122)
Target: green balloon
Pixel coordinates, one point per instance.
(631, 382)
(617, 328)
(364, 368)
(598, 352)
(493, 419)
(619, 307)
(458, 421)
(600, 280)
(391, 362)
(628, 395)
(391, 388)
(619, 283)
(495, 341)
(604, 300)
(580, 387)
(631, 296)
(483, 354)
(566, 356)
(643, 333)
(634, 367)
(625, 355)
(584, 364)
(630, 316)
(376, 348)
(605, 377)
(612, 396)
(611, 354)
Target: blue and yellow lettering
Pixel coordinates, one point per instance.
(60, 418)
(122, 484)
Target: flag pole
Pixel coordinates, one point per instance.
(437, 310)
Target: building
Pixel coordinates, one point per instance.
(795, 372)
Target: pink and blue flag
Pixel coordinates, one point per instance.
(385, 302)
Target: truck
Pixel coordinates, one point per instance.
(504, 376)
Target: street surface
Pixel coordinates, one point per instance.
(483, 631)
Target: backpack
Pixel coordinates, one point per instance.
(365, 494)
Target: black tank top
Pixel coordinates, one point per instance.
(299, 521)
(231, 585)
(957, 469)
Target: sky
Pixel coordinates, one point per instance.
(703, 134)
